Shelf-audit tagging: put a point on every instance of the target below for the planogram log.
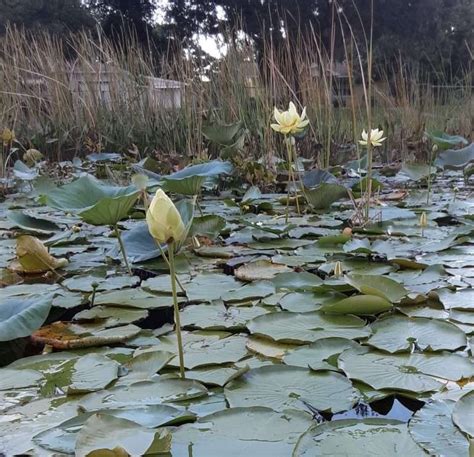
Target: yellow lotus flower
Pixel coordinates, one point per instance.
(375, 137)
(7, 136)
(423, 220)
(289, 122)
(163, 219)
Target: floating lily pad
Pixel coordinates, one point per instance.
(321, 355)
(433, 429)
(283, 387)
(236, 432)
(414, 373)
(92, 372)
(219, 317)
(359, 305)
(397, 333)
(358, 438)
(290, 327)
(103, 434)
(463, 413)
(143, 394)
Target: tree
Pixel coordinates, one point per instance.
(431, 34)
(56, 16)
(124, 18)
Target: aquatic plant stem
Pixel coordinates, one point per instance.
(165, 258)
(122, 249)
(177, 320)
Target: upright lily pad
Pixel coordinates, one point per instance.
(95, 202)
(21, 316)
(456, 159)
(189, 180)
(325, 195)
(378, 285)
(283, 387)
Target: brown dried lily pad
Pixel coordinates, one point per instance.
(66, 335)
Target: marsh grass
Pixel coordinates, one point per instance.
(37, 100)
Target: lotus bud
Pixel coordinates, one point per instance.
(7, 136)
(338, 271)
(435, 148)
(423, 220)
(163, 219)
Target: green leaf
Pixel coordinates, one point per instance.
(455, 159)
(359, 305)
(21, 316)
(444, 140)
(433, 429)
(236, 432)
(92, 372)
(222, 134)
(321, 355)
(403, 372)
(209, 225)
(143, 394)
(463, 413)
(323, 196)
(397, 333)
(102, 432)
(283, 387)
(417, 171)
(364, 438)
(189, 180)
(378, 285)
(32, 224)
(306, 327)
(95, 202)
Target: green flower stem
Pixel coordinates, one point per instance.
(369, 176)
(291, 177)
(122, 249)
(177, 320)
(165, 258)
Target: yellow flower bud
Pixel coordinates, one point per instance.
(7, 136)
(163, 219)
(338, 271)
(423, 220)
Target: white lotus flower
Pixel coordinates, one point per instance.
(375, 138)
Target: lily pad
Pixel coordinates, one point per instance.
(21, 316)
(235, 432)
(321, 355)
(95, 202)
(92, 372)
(261, 269)
(358, 438)
(103, 434)
(359, 305)
(283, 387)
(433, 429)
(463, 413)
(301, 328)
(377, 285)
(397, 333)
